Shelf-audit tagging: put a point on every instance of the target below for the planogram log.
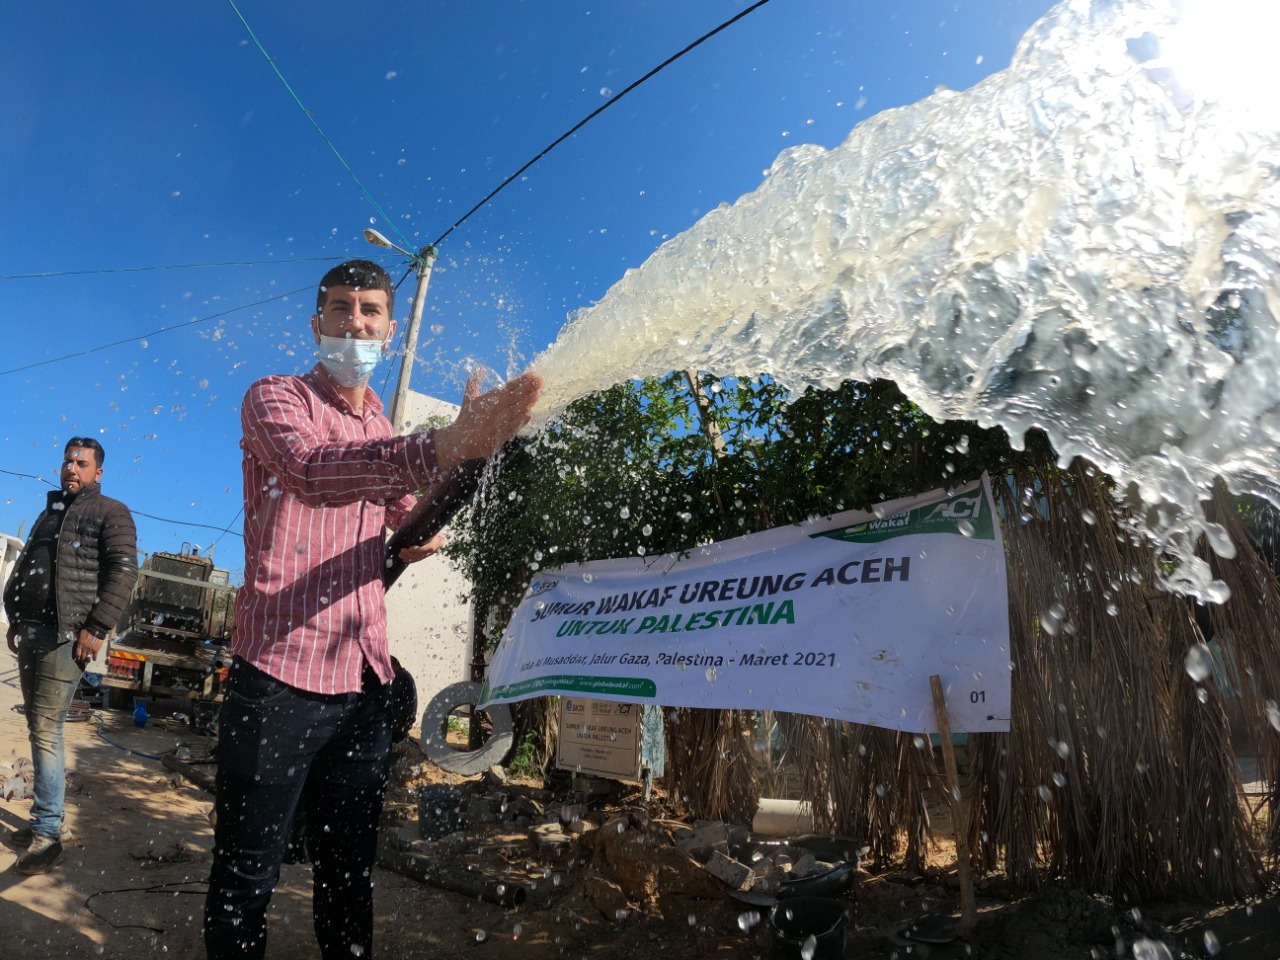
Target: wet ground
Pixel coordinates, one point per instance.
(132, 884)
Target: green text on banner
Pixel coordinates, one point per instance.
(844, 617)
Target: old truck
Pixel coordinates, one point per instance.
(174, 632)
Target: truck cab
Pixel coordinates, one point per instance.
(174, 633)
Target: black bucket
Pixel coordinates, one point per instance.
(439, 811)
(818, 922)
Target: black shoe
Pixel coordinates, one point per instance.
(21, 838)
(45, 854)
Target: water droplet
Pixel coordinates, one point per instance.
(1144, 949)
(1211, 944)
(481, 936)
(809, 947)
(1273, 714)
(1199, 662)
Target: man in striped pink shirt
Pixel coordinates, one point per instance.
(308, 695)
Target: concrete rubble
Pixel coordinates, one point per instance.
(16, 778)
(632, 863)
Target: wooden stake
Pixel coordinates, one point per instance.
(959, 813)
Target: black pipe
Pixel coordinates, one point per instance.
(442, 500)
(421, 868)
(437, 507)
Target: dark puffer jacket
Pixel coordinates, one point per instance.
(97, 564)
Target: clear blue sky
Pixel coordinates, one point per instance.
(142, 138)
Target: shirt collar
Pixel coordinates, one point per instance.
(321, 384)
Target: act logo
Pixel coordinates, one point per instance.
(960, 508)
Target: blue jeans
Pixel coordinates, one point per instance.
(49, 675)
(274, 741)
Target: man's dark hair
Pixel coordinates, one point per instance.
(364, 274)
(88, 442)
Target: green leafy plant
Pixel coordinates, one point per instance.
(524, 762)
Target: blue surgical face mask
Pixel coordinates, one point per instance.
(349, 361)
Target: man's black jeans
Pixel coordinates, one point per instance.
(274, 740)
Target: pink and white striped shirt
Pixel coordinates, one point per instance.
(321, 485)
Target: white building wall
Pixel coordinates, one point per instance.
(428, 624)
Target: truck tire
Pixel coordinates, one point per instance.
(434, 731)
(117, 699)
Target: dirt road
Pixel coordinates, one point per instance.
(132, 886)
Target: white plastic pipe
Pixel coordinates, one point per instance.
(782, 818)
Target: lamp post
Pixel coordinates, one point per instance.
(422, 261)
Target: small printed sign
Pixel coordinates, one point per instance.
(600, 738)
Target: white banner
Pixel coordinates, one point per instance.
(844, 617)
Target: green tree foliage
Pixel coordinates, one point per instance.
(635, 471)
(1145, 787)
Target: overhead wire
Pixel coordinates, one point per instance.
(140, 513)
(368, 197)
(382, 213)
(172, 266)
(227, 529)
(154, 333)
(192, 523)
(542, 153)
(275, 67)
(516, 175)
(595, 113)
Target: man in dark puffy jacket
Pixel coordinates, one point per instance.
(66, 593)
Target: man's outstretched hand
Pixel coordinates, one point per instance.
(422, 551)
(486, 420)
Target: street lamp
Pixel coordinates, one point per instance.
(422, 261)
